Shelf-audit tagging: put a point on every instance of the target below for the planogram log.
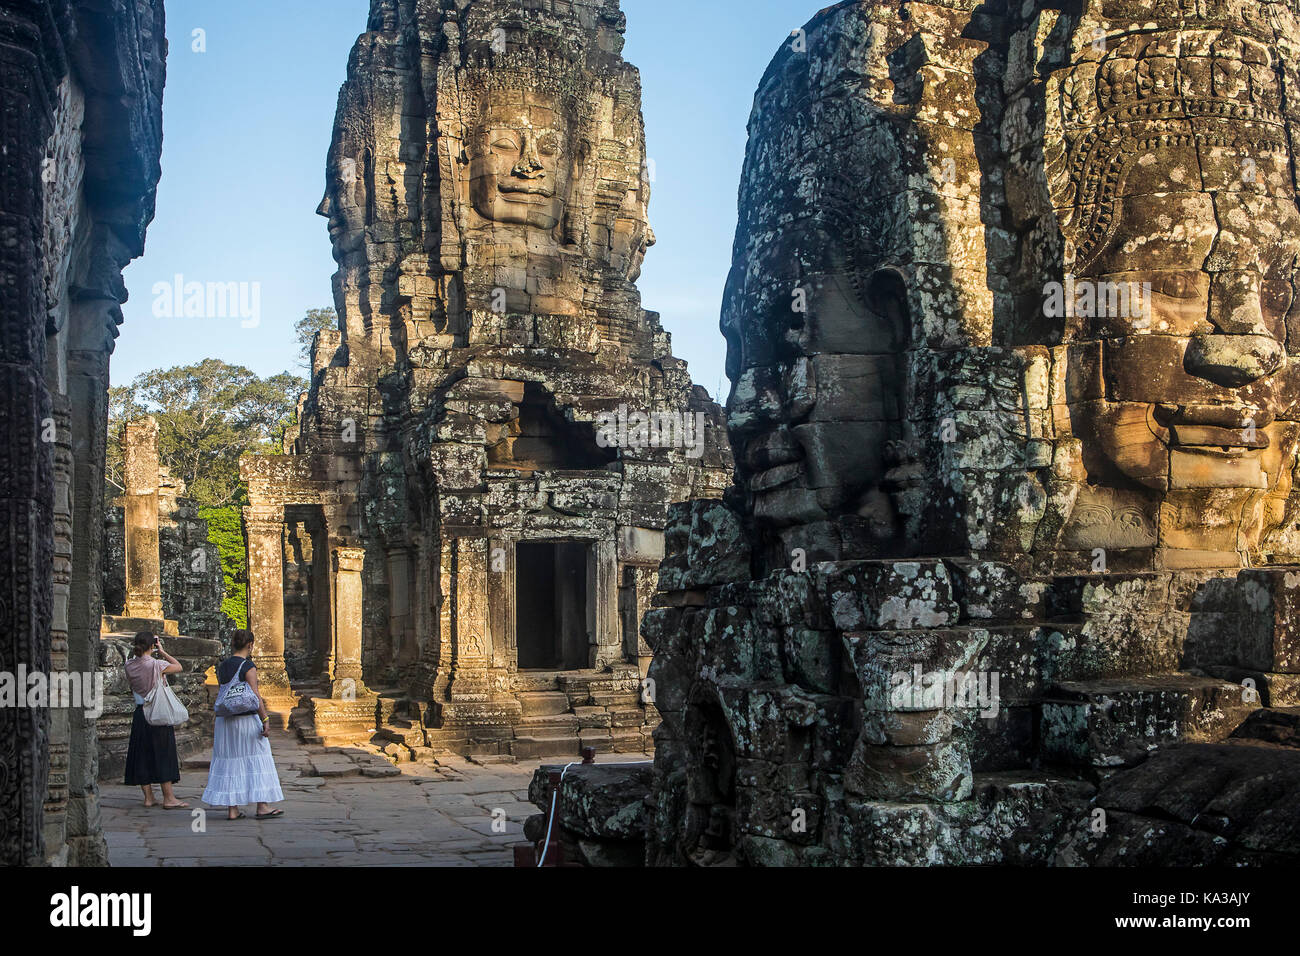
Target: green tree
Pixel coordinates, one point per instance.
(305, 329)
(225, 530)
(209, 416)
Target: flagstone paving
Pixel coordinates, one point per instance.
(343, 807)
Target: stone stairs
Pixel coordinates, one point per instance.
(562, 712)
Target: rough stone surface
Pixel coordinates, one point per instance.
(992, 533)
(81, 85)
(495, 404)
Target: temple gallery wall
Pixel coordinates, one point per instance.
(82, 102)
(992, 556)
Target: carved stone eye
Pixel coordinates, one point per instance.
(548, 146)
(1177, 285)
(1275, 296)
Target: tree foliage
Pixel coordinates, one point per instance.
(316, 320)
(209, 415)
(225, 530)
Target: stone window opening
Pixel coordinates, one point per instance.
(540, 438)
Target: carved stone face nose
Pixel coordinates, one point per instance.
(325, 208)
(530, 166)
(1234, 360)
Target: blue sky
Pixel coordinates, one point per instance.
(247, 124)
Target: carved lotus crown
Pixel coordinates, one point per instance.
(1133, 94)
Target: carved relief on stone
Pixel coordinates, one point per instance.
(1168, 163)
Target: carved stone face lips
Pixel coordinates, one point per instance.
(525, 192)
(774, 478)
(1222, 431)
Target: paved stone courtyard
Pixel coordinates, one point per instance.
(343, 807)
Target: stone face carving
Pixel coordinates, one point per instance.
(498, 427)
(1169, 168)
(1010, 330)
(520, 165)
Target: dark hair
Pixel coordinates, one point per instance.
(240, 640)
(143, 643)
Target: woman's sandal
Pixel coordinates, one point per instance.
(242, 816)
(274, 814)
(176, 806)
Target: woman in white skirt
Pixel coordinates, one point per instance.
(243, 770)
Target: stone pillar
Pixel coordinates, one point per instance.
(56, 799)
(93, 325)
(26, 448)
(143, 575)
(264, 534)
(400, 632)
(469, 607)
(602, 602)
(322, 610)
(349, 598)
(502, 617)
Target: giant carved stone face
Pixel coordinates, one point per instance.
(347, 195)
(1198, 387)
(815, 351)
(520, 162)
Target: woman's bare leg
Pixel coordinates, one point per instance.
(148, 795)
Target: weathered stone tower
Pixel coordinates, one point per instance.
(1011, 332)
(473, 506)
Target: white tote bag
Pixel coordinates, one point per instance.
(162, 708)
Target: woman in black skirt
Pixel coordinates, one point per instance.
(151, 754)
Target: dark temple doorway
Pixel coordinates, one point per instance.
(551, 605)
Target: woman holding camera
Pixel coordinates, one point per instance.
(151, 752)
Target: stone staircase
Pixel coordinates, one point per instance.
(574, 710)
(562, 712)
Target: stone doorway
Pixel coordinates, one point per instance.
(308, 624)
(553, 610)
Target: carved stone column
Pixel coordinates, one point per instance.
(322, 618)
(400, 631)
(351, 707)
(56, 799)
(264, 533)
(602, 591)
(346, 565)
(468, 592)
(475, 703)
(143, 574)
(93, 318)
(26, 462)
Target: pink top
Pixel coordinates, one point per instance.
(142, 673)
